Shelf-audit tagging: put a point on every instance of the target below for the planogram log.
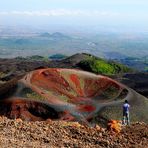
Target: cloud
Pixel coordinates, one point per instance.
(59, 12)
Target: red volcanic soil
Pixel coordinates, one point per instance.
(73, 84)
(27, 110)
(17, 133)
(63, 94)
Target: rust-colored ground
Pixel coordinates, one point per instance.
(17, 133)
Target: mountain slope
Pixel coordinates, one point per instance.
(71, 95)
(11, 68)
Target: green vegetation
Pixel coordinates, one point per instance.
(30, 94)
(33, 58)
(64, 98)
(57, 57)
(146, 69)
(35, 96)
(2, 74)
(100, 66)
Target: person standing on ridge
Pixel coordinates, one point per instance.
(126, 107)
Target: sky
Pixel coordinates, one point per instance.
(110, 14)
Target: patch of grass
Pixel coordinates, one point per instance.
(100, 66)
(2, 74)
(64, 98)
(34, 96)
(30, 94)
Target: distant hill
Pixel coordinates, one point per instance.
(57, 57)
(56, 35)
(59, 35)
(45, 34)
(140, 64)
(16, 43)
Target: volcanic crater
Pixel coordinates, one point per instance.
(62, 94)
